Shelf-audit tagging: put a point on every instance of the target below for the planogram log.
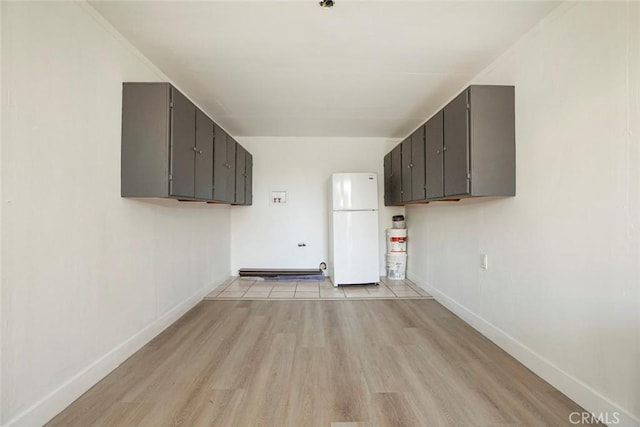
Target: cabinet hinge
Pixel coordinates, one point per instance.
(171, 104)
(170, 177)
(468, 176)
(468, 106)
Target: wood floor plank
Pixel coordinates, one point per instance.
(319, 363)
(309, 403)
(392, 409)
(264, 403)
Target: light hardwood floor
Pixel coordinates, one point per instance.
(319, 363)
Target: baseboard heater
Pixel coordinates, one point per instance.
(282, 273)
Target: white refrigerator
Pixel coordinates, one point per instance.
(353, 228)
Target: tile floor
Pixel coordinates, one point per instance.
(250, 288)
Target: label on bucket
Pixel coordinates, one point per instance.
(397, 244)
(396, 240)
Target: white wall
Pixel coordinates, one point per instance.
(1, 205)
(562, 292)
(87, 277)
(267, 235)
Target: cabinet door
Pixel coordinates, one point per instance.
(492, 140)
(249, 177)
(145, 156)
(220, 169)
(417, 165)
(183, 143)
(433, 150)
(396, 175)
(204, 157)
(456, 146)
(240, 175)
(406, 170)
(231, 170)
(387, 179)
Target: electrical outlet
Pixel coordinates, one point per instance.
(484, 261)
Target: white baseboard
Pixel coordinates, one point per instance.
(53, 403)
(571, 386)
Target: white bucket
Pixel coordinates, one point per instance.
(396, 266)
(396, 240)
(398, 224)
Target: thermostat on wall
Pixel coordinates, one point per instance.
(278, 197)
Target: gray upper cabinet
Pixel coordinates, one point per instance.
(492, 137)
(204, 156)
(241, 163)
(221, 166)
(145, 140)
(434, 140)
(230, 191)
(406, 165)
(413, 166)
(224, 172)
(396, 175)
(244, 176)
(456, 145)
(479, 143)
(417, 165)
(183, 146)
(248, 198)
(468, 149)
(170, 148)
(387, 179)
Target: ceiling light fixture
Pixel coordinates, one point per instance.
(326, 3)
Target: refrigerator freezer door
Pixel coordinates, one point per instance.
(354, 191)
(355, 248)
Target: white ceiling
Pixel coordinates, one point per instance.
(292, 68)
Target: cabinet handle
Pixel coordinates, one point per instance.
(444, 149)
(200, 151)
(437, 151)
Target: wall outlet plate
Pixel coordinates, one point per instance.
(278, 197)
(484, 261)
